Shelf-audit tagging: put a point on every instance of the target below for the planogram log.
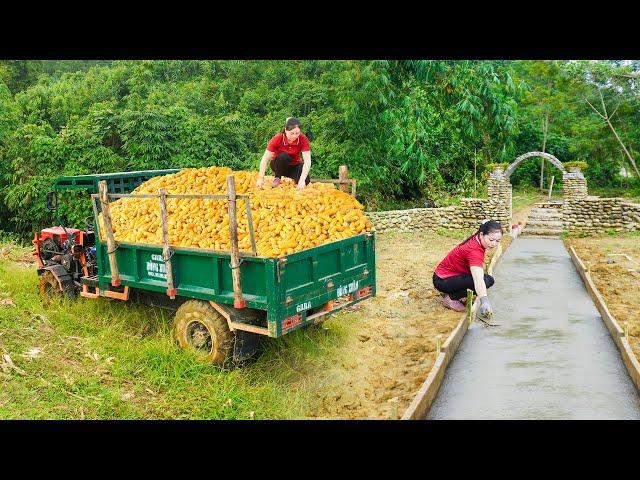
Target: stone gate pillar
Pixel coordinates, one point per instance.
(575, 185)
(575, 192)
(499, 195)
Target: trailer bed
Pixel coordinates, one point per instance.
(290, 289)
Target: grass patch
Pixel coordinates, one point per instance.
(455, 234)
(631, 192)
(104, 359)
(608, 233)
(527, 195)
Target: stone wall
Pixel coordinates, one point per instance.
(631, 216)
(413, 219)
(581, 213)
(591, 215)
(468, 215)
(595, 215)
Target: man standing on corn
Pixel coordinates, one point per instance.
(283, 152)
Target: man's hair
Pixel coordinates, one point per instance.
(291, 123)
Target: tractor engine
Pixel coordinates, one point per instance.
(66, 254)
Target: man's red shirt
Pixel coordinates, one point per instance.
(279, 144)
(460, 260)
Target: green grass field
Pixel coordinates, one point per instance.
(105, 359)
(527, 195)
(631, 193)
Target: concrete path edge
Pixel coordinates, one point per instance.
(422, 401)
(617, 333)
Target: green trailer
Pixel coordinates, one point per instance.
(224, 300)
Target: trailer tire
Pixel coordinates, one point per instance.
(201, 329)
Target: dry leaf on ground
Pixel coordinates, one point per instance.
(127, 396)
(93, 355)
(7, 365)
(32, 353)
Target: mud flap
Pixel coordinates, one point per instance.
(245, 346)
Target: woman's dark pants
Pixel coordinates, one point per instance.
(457, 286)
(281, 166)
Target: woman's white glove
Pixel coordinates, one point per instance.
(485, 307)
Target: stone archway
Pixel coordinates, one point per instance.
(500, 191)
(557, 163)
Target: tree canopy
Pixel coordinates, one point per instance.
(411, 130)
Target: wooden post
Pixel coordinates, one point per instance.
(247, 203)
(342, 176)
(166, 252)
(394, 409)
(551, 186)
(626, 331)
(111, 243)
(238, 301)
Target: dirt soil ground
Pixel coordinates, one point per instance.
(390, 357)
(615, 270)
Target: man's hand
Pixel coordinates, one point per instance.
(301, 185)
(259, 182)
(485, 307)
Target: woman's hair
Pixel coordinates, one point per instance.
(291, 123)
(485, 228)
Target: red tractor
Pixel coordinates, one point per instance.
(66, 256)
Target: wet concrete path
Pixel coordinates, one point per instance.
(551, 357)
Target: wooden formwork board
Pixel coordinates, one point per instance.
(630, 361)
(428, 390)
(421, 403)
(617, 333)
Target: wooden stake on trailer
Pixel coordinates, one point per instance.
(342, 176)
(247, 203)
(166, 252)
(111, 243)
(343, 180)
(238, 301)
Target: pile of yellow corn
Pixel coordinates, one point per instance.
(285, 219)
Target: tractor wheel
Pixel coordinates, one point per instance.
(49, 289)
(200, 328)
